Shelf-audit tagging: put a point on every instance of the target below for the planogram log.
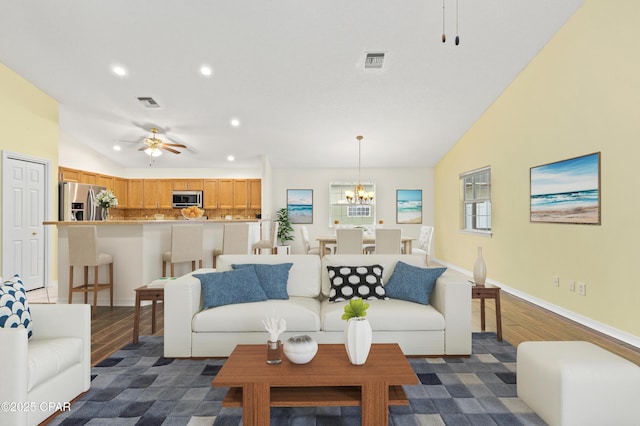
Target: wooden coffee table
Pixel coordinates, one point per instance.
(328, 380)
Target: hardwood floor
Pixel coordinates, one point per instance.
(521, 321)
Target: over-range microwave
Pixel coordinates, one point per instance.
(186, 199)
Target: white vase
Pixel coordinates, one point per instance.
(105, 214)
(479, 269)
(357, 340)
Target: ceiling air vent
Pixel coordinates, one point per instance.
(148, 102)
(373, 60)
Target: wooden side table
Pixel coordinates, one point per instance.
(482, 293)
(146, 293)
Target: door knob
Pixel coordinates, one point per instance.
(34, 233)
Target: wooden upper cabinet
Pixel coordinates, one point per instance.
(120, 191)
(135, 191)
(188, 184)
(68, 175)
(255, 193)
(240, 193)
(225, 193)
(87, 177)
(210, 193)
(150, 193)
(165, 196)
(106, 181)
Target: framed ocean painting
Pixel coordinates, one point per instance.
(300, 205)
(409, 206)
(567, 191)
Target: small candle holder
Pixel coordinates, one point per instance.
(274, 352)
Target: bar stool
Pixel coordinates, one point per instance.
(186, 246)
(235, 240)
(83, 251)
(271, 243)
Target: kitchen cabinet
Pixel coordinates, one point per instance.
(120, 191)
(225, 193)
(210, 193)
(135, 190)
(188, 185)
(68, 175)
(106, 181)
(240, 193)
(87, 177)
(255, 194)
(157, 193)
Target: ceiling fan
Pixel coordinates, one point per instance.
(153, 145)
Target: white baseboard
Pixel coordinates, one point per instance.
(580, 319)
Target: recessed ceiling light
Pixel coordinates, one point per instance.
(235, 122)
(230, 158)
(205, 70)
(118, 70)
(116, 148)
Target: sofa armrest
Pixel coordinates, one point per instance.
(181, 303)
(13, 359)
(65, 320)
(452, 298)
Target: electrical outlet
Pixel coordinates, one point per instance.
(556, 281)
(582, 289)
(572, 285)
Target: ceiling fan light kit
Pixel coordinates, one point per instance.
(154, 146)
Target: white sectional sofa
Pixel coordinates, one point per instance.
(443, 327)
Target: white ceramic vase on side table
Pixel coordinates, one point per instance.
(479, 269)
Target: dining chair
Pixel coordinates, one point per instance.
(349, 241)
(307, 246)
(388, 241)
(270, 243)
(424, 242)
(83, 251)
(186, 246)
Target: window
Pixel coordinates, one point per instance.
(359, 210)
(476, 200)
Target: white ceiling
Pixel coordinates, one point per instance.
(292, 71)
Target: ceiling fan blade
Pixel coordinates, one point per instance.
(178, 145)
(143, 148)
(169, 149)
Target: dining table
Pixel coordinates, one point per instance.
(407, 242)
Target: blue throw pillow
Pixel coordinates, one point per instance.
(14, 308)
(229, 287)
(412, 283)
(273, 278)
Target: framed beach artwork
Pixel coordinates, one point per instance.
(300, 205)
(567, 191)
(409, 206)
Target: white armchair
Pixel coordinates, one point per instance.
(44, 374)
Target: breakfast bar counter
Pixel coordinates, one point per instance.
(137, 247)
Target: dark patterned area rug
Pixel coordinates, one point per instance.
(137, 386)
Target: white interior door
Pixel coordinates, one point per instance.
(23, 211)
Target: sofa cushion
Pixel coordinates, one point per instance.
(412, 283)
(348, 282)
(14, 308)
(302, 314)
(230, 287)
(386, 315)
(48, 357)
(273, 278)
(304, 275)
(387, 261)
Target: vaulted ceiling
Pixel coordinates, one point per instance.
(292, 72)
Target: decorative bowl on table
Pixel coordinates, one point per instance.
(300, 349)
(192, 213)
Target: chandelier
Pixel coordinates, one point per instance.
(359, 195)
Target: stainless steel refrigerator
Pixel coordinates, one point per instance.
(77, 202)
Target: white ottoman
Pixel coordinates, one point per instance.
(578, 383)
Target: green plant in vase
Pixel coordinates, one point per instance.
(356, 308)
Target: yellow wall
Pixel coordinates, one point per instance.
(29, 120)
(580, 95)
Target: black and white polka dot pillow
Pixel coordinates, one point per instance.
(356, 281)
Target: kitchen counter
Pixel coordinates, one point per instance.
(147, 221)
(137, 247)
